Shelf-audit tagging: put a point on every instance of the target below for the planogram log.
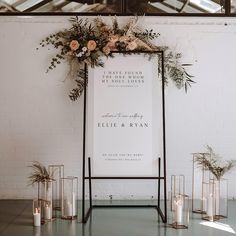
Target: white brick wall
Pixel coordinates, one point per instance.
(39, 122)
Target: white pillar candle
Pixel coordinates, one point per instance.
(68, 209)
(179, 213)
(47, 212)
(210, 206)
(217, 198)
(74, 204)
(37, 218)
(204, 204)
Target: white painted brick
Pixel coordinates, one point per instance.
(39, 122)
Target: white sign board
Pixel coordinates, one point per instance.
(124, 110)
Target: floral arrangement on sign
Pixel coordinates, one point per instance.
(214, 163)
(87, 42)
(39, 174)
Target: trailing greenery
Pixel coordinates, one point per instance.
(177, 71)
(76, 92)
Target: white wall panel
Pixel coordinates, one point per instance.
(39, 122)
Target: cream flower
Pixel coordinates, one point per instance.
(91, 45)
(131, 46)
(79, 54)
(114, 38)
(106, 50)
(124, 39)
(70, 53)
(74, 45)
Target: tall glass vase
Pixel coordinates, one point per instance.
(216, 199)
(69, 205)
(221, 193)
(57, 171)
(200, 175)
(177, 187)
(45, 196)
(209, 201)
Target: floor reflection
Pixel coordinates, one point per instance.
(16, 219)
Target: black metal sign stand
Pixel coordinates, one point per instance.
(159, 178)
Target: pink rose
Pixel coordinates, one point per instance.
(91, 45)
(131, 46)
(74, 45)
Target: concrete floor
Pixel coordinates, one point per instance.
(16, 220)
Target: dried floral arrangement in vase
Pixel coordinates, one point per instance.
(40, 173)
(214, 163)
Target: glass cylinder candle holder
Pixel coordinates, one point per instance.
(221, 196)
(200, 175)
(209, 201)
(177, 187)
(45, 196)
(180, 212)
(69, 187)
(37, 212)
(57, 171)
